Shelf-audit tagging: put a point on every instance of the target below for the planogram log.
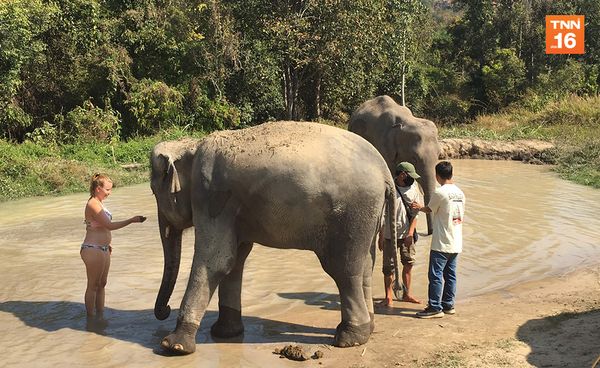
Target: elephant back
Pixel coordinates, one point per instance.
(301, 150)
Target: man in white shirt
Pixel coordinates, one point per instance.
(407, 191)
(447, 205)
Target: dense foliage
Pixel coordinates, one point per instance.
(85, 77)
(106, 70)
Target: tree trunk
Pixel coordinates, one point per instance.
(318, 79)
(290, 89)
(403, 69)
(286, 92)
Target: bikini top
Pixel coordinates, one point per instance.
(95, 224)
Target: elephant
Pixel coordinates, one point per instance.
(400, 136)
(288, 185)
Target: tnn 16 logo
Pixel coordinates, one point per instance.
(565, 34)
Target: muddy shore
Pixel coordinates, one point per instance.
(554, 322)
(530, 151)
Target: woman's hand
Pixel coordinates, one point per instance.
(139, 218)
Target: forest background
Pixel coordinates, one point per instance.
(92, 85)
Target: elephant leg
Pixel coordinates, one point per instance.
(230, 323)
(215, 253)
(355, 327)
(367, 284)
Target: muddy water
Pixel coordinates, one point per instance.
(522, 223)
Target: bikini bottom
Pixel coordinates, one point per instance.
(104, 248)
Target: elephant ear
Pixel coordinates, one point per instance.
(175, 183)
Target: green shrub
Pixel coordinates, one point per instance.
(447, 109)
(89, 123)
(44, 135)
(209, 115)
(503, 78)
(154, 106)
(175, 133)
(14, 121)
(573, 78)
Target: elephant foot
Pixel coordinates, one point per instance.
(347, 335)
(182, 340)
(229, 323)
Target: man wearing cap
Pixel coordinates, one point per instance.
(407, 191)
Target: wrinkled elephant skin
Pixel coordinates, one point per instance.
(399, 136)
(286, 185)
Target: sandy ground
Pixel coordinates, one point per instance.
(549, 323)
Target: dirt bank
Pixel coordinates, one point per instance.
(531, 151)
(549, 323)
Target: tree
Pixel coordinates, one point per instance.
(21, 25)
(503, 78)
(404, 41)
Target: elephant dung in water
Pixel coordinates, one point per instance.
(399, 136)
(285, 185)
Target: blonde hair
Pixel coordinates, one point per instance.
(98, 180)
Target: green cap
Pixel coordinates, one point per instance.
(408, 168)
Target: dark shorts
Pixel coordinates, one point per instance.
(407, 255)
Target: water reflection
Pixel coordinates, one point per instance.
(522, 223)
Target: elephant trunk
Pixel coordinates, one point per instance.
(427, 181)
(171, 242)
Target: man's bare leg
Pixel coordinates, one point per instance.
(406, 278)
(389, 294)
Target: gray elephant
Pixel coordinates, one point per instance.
(399, 136)
(285, 185)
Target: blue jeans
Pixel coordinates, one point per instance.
(442, 279)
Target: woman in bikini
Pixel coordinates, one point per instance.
(96, 248)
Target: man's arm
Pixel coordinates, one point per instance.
(413, 227)
(433, 205)
(417, 206)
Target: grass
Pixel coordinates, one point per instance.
(30, 169)
(505, 344)
(572, 124)
(445, 359)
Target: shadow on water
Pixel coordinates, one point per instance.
(563, 340)
(141, 327)
(332, 302)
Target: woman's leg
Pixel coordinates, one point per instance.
(94, 266)
(102, 285)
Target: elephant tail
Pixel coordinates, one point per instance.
(390, 214)
(390, 195)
